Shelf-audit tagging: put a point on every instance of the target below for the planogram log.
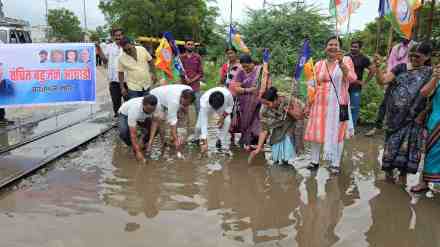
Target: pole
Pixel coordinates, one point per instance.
(46, 5)
(230, 25)
(378, 32)
(430, 21)
(390, 40)
(349, 6)
(85, 18)
(417, 28)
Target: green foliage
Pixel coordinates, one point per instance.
(150, 18)
(283, 28)
(369, 34)
(99, 34)
(372, 96)
(212, 74)
(65, 25)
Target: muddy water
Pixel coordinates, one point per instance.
(100, 196)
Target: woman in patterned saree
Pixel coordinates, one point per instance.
(431, 170)
(244, 85)
(404, 130)
(325, 126)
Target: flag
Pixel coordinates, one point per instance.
(236, 41)
(164, 57)
(304, 71)
(401, 14)
(177, 61)
(342, 9)
(266, 82)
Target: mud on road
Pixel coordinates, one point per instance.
(100, 196)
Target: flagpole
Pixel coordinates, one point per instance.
(378, 33)
(349, 19)
(336, 17)
(230, 25)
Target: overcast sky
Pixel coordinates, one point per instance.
(33, 10)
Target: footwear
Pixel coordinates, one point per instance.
(419, 189)
(372, 132)
(313, 166)
(218, 144)
(6, 122)
(195, 141)
(335, 170)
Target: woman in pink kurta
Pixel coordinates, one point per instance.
(324, 127)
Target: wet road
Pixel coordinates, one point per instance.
(100, 196)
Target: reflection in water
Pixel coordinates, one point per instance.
(226, 202)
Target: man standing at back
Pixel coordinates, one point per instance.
(134, 70)
(360, 62)
(110, 55)
(192, 63)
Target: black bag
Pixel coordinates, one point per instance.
(343, 108)
(343, 113)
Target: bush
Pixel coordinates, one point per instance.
(372, 96)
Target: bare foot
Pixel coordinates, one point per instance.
(389, 177)
(403, 180)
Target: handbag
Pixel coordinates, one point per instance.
(343, 108)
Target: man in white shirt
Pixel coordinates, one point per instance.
(171, 100)
(110, 55)
(218, 101)
(131, 112)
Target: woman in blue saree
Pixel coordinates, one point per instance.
(431, 171)
(404, 134)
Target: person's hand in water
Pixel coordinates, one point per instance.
(203, 146)
(253, 154)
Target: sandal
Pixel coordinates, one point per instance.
(419, 189)
(313, 166)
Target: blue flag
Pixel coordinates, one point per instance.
(266, 55)
(304, 57)
(177, 61)
(384, 7)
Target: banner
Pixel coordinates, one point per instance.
(47, 74)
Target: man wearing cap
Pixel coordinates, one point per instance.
(134, 61)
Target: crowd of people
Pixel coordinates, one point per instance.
(257, 113)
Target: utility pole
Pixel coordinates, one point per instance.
(264, 4)
(85, 14)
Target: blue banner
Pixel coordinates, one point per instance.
(47, 74)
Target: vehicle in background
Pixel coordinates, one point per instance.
(14, 31)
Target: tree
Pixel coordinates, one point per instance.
(99, 34)
(147, 17)
(369, 34)
(283, 28)
(65, 25)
